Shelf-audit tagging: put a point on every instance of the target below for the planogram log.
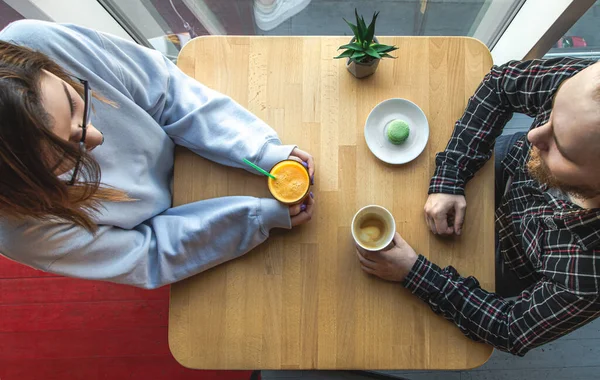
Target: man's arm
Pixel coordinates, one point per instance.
(540, 314)
(523, 87)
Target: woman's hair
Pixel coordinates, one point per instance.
(30, 152)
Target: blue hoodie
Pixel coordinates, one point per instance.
(147, 243)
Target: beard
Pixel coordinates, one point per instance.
(538, 169)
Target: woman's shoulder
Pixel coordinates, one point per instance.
(23, 30)
(51, 38)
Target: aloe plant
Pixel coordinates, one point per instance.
(363, 49)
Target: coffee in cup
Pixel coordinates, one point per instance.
(373, 228)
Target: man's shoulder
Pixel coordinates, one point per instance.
(548, 66)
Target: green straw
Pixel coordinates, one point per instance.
(259, 169)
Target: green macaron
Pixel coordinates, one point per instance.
(398, 131)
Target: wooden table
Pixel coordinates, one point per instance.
(300, 300)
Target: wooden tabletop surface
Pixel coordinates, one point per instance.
(300, 300)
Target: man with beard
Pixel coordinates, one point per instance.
(547, 208)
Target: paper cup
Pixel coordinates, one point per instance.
(365, 224)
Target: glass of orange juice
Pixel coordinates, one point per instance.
(292, 183)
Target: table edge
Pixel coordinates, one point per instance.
(199, 39)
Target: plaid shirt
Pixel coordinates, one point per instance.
(544, 238)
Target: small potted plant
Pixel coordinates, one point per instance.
(364, 51)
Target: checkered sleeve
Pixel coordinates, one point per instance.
(541, 314)
(517, 86)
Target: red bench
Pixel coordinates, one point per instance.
(54, 327)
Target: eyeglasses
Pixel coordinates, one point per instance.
(87, 104)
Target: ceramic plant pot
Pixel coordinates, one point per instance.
(362, 70)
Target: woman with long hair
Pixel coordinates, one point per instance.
(88, 125)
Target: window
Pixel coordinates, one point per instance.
(168, 24)
(88, 13)
(583, 39)
(8, 14)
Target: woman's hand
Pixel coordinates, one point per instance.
(302, 213)
(306, 160)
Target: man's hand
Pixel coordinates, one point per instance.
(445, 213)
(393, 264)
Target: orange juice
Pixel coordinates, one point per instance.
(292, 183)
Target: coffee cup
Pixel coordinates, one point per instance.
(373, 228)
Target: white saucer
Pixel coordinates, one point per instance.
(376, 131)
